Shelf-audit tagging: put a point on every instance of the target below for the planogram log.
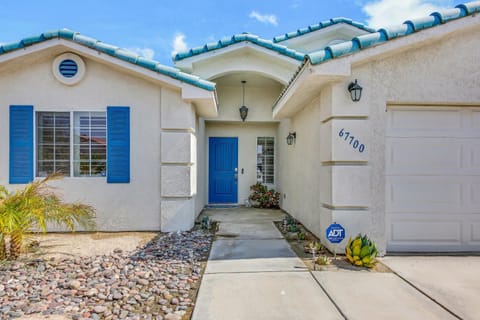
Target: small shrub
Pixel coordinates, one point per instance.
(263, 197)
(32, 208)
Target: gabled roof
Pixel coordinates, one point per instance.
(321, 25)
(111, 50)
(387, 34)
(268, 44)
(382, 36)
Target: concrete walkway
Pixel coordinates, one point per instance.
(253, 274)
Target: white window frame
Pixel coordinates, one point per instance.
(71, 111)
(274, 161)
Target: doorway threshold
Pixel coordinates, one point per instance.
(222, 206)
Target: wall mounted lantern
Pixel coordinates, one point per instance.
(291, 138)
(243, 109)
(355, 91)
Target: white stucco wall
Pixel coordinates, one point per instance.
(163, 140)
(350, 184)
(299, 168)
(133, 206)
(259, 101)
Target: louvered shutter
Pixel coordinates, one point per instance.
(118, 144)
(21, 144)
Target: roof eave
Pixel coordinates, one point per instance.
(313, 77)
(97, 55)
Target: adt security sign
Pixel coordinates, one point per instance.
(335, 233)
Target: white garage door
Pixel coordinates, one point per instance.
(433, 179)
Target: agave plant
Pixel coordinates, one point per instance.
(361, 251)
(32, 209)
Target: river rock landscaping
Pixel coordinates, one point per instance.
(157, 281)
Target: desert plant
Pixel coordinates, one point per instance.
(264, 197)
(31, 209)
(323, 260)
(314, 247)
(361, 251)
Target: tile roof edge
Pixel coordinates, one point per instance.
(238, 38)
(319, 26)
(111, 50)
(386, 34)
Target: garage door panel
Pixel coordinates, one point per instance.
(433, 233)
(475, 232)
(433, 179)
(404, 121)
(423, 156)
(416, 231)
(423, 194)
(475, 123)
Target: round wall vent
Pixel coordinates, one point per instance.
(68, 68)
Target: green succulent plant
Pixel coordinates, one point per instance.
(361, 251)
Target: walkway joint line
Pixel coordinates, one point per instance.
(426, 295)
(328, 295)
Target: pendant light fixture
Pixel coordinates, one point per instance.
(243, 109)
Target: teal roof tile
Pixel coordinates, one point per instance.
(31, 40)
(50, 34)
(106, 48)
(386, 34)
(371, 39)
(248, 37)
(86, 41)
(111, 50)
(470, 7)
(321, 25)
(7, 47)
(396, 31)
(422, 23)
(447, 15)
(343, 48)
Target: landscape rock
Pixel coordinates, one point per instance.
(157, 281)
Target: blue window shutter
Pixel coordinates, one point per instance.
(21, 144)
(118, 144)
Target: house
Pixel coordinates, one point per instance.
(401, 162)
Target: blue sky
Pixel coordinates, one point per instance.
(157, 28)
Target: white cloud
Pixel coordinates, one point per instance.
(264, 18)
(386, 13)
(144, 52)
(179, 44)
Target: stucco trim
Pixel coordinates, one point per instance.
(344, 163)
(344, 208)
(344, 118)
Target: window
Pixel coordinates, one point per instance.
(90, 144)
(265, 160)
(54, 143)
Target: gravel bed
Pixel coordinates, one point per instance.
(157, 281)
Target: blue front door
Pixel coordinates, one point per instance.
(223, 166)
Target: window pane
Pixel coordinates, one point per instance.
(53, 143)
(265, 159)
(90, 153)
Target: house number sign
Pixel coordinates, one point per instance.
(351, 140)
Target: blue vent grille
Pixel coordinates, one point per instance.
(68, 68)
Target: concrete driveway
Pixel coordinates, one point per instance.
(452, 281)
(253, 274)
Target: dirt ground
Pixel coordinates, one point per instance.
(64, 245)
